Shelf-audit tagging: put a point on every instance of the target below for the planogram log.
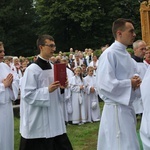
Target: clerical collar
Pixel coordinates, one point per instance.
(120, 44)
(43, 64)
(137, 59)
(43, 59)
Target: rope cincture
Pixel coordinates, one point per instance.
(117, 122)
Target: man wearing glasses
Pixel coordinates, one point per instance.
(42, 123)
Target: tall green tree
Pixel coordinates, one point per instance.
(73, 23)
(120, 9)
(17, 27)
(80, 24)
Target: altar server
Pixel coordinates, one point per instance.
(116, 84)
(42, 125)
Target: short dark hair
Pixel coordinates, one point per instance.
(1, 43)
(119, 24)
(42, 38)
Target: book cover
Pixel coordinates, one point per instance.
(60, 73)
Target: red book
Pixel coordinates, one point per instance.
(60, 73)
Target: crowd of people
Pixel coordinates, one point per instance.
(46, 107)
(76, 104)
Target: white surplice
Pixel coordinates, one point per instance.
(118, 123)
(93, 113)
(145, 123)
(41, 111)
(6, 109)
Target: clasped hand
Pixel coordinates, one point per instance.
(136, 82)
(8, 80)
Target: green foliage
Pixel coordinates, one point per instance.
(73, 23)
(98, 52)
(81, 24)
(16, 132)
(130, 50)
(82, 137)
(17, 27)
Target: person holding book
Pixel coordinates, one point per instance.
(42, 124)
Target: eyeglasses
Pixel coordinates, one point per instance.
(50, 45)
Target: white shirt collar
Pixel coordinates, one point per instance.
(120, 45)
(44, 59)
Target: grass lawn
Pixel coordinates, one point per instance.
(83, 137)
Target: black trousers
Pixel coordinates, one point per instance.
(60, 142)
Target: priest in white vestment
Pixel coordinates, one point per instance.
(9, 88)
(116, 85)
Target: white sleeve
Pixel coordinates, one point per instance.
(30, 91)
(108, 85)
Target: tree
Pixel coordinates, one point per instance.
(70, 22)
(81, 23)
(73, 23)
(17, 27)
